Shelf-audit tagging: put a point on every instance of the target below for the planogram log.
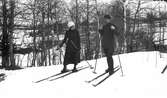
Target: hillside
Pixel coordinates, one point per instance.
(142, 79)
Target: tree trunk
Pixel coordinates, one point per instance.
(49, 31)
(76, 19)
(88, 34)
(34, 35)
(99, 53)
(5, 42)
(11, 27)
(125, 26)
(44, 55)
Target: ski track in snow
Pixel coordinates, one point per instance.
(142, 79)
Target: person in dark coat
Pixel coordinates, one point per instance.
(72, 53)
(109, 36)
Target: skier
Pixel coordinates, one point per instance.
(109, 36)
(72, 53)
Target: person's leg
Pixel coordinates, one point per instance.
(109, 54)
(110, 62)
(65, 63)
(76, 60)
(75, 69)
(64, 69)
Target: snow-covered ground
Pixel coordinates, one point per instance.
(142, 79)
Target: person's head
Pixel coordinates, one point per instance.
(71, 25)
(107, 18)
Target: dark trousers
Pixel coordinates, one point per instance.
(109, 53)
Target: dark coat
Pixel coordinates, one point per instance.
(72, 40)
(108, 36)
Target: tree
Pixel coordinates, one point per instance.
(87, 31)
(5, 36)
(98, 43)
(11, 30)
(34, 32)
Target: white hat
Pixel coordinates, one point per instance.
(70, 24)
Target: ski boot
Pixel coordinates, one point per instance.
(110, 71)
(74, 70)
(64, 70)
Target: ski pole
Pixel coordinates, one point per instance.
(96, 56)
(94, 71)
(156, 59)
(120, 64)
(89, 65)
(164, 69)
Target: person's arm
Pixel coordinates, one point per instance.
(101, 31)
(76, 45)
(79, 43)
(116, 42)
(64, 40)
(116, 30)
(116, 37)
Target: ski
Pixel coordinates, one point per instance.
(164, 69)
(67, 74)
(2, 77)
(51, 76)
(104, 78)
(98, 76)
(54, 75)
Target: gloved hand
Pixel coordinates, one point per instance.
(116, 43)
(58, 47)
(100, 27)
(117, 46)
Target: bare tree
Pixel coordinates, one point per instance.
(11, 29)
(87, 30)
(99, 53)
(76, 13)
(5, 43)
(49, 29)
(34, 33)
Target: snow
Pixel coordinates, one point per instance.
(142, 79)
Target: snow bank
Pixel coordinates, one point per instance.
(142, 79)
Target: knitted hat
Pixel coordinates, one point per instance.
(70, 24)
(107, 16)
